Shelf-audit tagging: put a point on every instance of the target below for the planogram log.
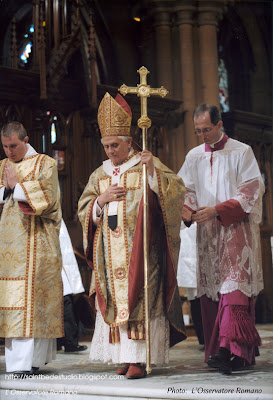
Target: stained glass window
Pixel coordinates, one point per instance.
(26, 46)
(26, 52)
(53, 133)
(44, 143)
(223, 86)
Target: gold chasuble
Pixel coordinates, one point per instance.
(31, 296)
(116, 257)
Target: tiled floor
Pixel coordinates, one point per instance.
(73, 376)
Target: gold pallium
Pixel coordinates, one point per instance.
(143, 91)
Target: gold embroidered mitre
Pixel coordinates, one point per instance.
(114, 116)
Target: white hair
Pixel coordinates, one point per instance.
(124, 138)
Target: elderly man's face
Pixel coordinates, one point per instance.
(14, 148)
(208, 132)
(116, 149)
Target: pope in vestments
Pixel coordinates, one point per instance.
(111, 213)
(30, 258)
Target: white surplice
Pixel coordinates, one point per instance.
(229, 257)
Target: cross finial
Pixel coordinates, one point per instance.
(143, 91)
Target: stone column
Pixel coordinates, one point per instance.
(184, 19)
(56, 23)
(162, 26)
(35, 12)
(209, 13)
(14, 50)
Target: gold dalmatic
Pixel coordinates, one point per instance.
(31, 296)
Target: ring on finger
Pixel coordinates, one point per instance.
(115, 196)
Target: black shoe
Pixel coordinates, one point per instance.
(74, 349)
(221, 361)
(239, 364)
(34, 370)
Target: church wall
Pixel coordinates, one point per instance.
(122, 30)
(260, 76)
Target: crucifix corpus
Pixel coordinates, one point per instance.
(143, 91)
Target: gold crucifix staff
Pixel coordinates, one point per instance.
(143, 91)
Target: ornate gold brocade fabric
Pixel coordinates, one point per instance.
(31, 298)
(115, 259)
(113, 120)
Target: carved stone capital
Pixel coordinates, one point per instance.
(162, 4)
(161, 10)
(210, 12)
(185, 12)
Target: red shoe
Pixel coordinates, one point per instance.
(136, 371)
(123, 370)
